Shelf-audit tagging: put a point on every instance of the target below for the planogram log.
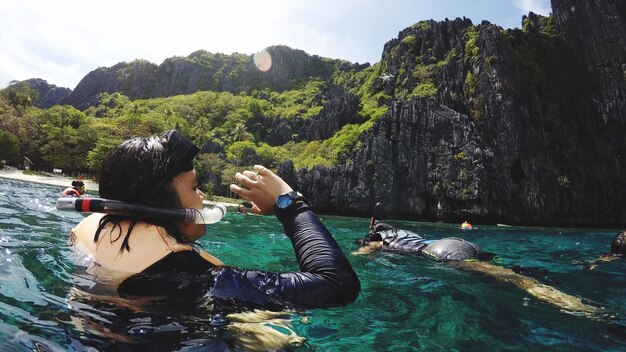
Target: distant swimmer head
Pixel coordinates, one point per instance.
(79, 186)
(466, 226)
(618, 245)
(156, 171)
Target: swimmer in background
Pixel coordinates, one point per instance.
(618, 251)
(77, 189)
(466, 225)
(241, 209)
(464, 255)
(618, 245)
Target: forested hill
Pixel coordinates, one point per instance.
(457, 121)
(204, 71)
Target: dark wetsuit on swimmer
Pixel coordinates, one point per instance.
(326, 278)
(398, 240)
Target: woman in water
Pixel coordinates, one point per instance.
(77, 189)
(465, 255)
(135, 256)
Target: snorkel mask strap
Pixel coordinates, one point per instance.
(181, 154)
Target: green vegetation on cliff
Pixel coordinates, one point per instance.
(240, 127)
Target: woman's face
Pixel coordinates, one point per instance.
(186, 185)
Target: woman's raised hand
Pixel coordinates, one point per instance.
(261, 187)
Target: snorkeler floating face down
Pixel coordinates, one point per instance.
(464, 255)
(388, 238)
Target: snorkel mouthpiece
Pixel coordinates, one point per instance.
(207, 215)
(100, 205)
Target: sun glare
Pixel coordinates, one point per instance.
(263, 60)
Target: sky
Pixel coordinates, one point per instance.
(61, 41)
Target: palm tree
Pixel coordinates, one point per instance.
(239, 133)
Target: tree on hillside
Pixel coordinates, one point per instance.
(9, 148)
(67, 148)
(20, 95)
(61, 116)
(95, 156)
(240, 133)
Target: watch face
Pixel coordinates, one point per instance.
(284, 201)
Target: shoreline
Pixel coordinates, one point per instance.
(52, 180)
(92, 186)
(63, 181)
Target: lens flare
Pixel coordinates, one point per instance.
(262, 60)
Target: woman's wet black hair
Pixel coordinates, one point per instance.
(78, 184)
(140, 171)
(618, 245)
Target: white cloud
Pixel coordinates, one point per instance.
(541, 7)
(52, 41)
(61, 41)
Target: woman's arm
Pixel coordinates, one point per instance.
(326, 278)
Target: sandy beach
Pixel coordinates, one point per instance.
(54, 180)
(64, 182)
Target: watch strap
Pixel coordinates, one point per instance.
(291, 198)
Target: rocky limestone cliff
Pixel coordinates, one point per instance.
(524, 126)
(339, 109)
(136, 80)
(519, 126)
(203, 71)
(601, 50)
(48, 94)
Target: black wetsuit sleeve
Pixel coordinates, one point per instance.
(326, 278)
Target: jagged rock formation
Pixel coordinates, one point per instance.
(137, 80)
(601, 50)
(203, 71)
(406, 164)
(526, 126)
(48, 94)
(521, 126)
(339, 110)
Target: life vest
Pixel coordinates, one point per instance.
(104, 259)
(71, 192)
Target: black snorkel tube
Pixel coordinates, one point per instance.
(108, 206)
(374, 215)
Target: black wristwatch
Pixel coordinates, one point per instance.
(288, 200)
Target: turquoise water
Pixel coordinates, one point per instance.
(406, 303)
